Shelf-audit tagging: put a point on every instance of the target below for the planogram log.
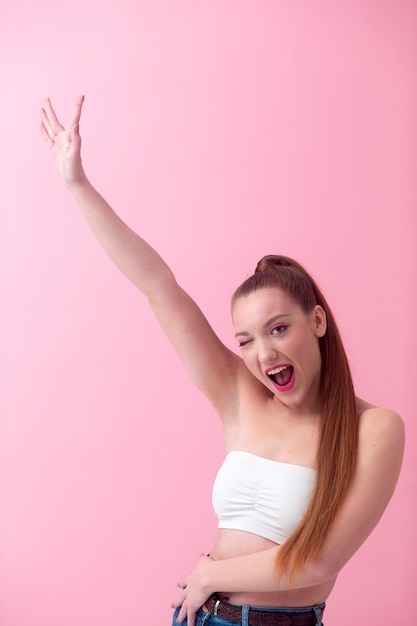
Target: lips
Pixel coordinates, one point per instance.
(282, 376)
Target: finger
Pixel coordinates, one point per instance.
(77, 111)
(75, 138)
(191, 618)
(183, 613)
(51, 117)
(49, 110)
(47, 138)
(46, 126)
(179, 599)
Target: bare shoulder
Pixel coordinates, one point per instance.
(381, 432)
(375, 419)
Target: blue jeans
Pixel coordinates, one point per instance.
(209, 619)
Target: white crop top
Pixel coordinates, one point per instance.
(261, 496)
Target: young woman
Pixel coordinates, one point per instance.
(309, 469)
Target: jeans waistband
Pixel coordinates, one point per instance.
(265, 616)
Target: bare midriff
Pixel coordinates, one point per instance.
(234, 543)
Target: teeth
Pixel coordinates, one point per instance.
(277, 370)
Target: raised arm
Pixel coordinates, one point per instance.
(181, 319)
(381, 449)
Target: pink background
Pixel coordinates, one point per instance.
(222, 131)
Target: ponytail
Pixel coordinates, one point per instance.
(337, 450)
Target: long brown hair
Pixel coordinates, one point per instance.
(337, 451)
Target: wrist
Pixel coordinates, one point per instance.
(79, 187)
(209, 576)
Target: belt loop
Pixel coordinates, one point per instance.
(319, 615)
(245, 615)
(206, 618)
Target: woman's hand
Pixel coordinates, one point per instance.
(65, 144)
(194, 591)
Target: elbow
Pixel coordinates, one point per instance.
(323, 570)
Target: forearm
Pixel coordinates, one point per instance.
(255, 573)
(133, 256)
(252, 573)
(138, 261)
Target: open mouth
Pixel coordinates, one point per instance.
(281, 376)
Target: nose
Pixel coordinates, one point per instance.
(268, 353)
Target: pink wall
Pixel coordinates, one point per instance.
(222, 130)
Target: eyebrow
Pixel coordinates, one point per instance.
(267, 323)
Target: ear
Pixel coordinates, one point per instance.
(319, 321)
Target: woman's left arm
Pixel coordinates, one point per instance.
(381, 447)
